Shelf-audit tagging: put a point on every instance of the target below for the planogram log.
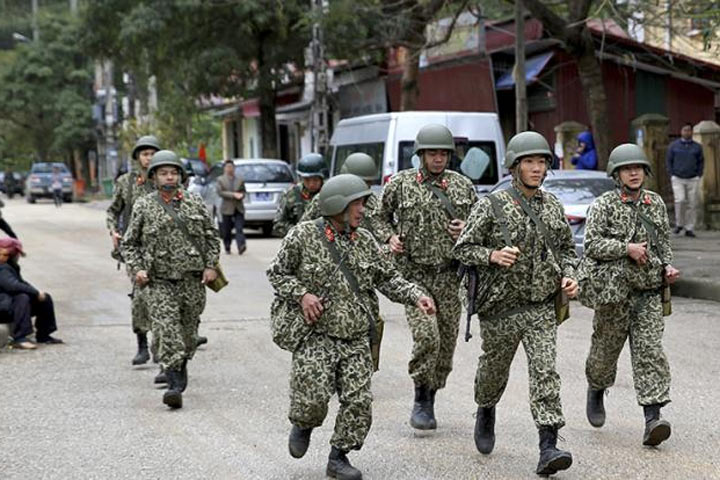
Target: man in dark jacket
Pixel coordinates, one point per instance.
(685, 165)
(26, 300)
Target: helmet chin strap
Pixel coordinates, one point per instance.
(169, 188)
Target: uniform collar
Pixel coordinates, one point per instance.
(331, 233)
(643, 198)
(424, 176)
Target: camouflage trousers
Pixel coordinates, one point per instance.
(175, 308)
(323, 366)
(537, 330)
(434, 336)
(640, 319)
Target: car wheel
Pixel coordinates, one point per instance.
(267, 229)
(31, 198)
(68, 199)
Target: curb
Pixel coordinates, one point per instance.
(696, 288)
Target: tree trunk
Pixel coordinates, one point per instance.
(410, 90)
(521, 108)
(268, 127)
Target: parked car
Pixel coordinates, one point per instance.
(19, 185)
(38, 181)
(195, 167)
(265, 180)
(389, 139)
(576, 190)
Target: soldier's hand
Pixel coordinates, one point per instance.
(426, 305)
(455, 227)
(505, 257)
(638, 252)
(141, 278)
(671, 274)
(569, 286)
(115, 239)
(312, 308)
(209, 274)
(396, 245)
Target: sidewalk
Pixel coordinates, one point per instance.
(698, 260)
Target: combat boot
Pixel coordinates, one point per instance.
(160, 377)
(299, 441)
(339, 466)
(200, 341)
(173, 395)
(552, 460)
(657, 430)
(183, 376)
(143, 355)
(595, 409)
(485, 429)
(422, 417)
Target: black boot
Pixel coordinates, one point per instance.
(657, 430)
(173, 395)
(299, 441)
(200, 341)
(552, 460)
(143, 355)
(485, 429)
(422, 417)
(183, 376)
(161, 377)
(595, 409)
(339, 466)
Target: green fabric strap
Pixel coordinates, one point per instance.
(440, 195)
(536, 220)
(500, 217)
(180, 223)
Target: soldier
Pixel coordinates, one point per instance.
(129, 187)
(631, 223)
(523, 247)
(172, 248)
(311, 169)
(325, 270)
(422, 212)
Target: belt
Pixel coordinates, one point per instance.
(514, 311)
(443, 267)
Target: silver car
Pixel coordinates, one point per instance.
(265, 180)
(576, 190)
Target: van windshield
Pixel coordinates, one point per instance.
(462, 146)
(375, 150)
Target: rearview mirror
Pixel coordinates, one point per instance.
(475, 163)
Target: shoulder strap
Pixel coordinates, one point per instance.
(180, 223)
(500, 216)
(440, 195)
(535, 219)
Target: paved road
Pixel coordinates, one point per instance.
(81, 411)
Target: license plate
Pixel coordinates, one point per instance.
(262, 196)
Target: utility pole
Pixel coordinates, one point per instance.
(319, 109)
(521, 112)
(36, 32)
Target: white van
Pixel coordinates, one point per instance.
(389, 139)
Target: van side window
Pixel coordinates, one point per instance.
(462, 146)
(375, 150)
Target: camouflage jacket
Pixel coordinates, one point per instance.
(536, 274)
(409, 208)
(304, 265)
(129, 187)
(370, 220)
(292, 207)
(154, 243)
(614, 221)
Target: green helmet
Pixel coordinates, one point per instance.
(434, 137)
(166, 158)
(148, 141)
(311, 165)
(626, 154)
(360, 164)
(339, 191)
(525, 144)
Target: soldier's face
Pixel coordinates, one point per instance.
(144, 157)
(356, 211)
(632, 176)
(312, 184)
(167, 176)
(532, 170)
(436, 160)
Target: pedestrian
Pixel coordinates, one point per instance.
(312, 172)
(231, 189)
(25, 301)
(129, 188)
(323, 274)
(56, 186)
(4, 226)
(172, 249)
(10, 183)
(585, 157)
(423, 210)
(628, 236)
(685, 163)
(522, 245)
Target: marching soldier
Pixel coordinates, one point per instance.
(522, 245)
(631, 224)
(422, 212)
(129, 187)
(325, 270)
(311, 170)
(172, 248)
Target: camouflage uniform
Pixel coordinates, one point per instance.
(519, 304)
(130, 187)
(336, 356)
(408, 208)
(175, 294)
(614, 222)
(292, 207)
